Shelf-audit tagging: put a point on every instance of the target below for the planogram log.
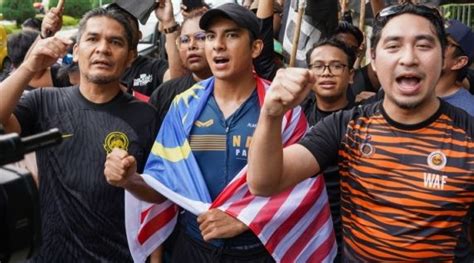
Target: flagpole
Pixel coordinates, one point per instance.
(296, 36)
(361, 27)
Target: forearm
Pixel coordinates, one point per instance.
(265, 9)
(10, 91)
(265, 165)
(141, 190)
(176, 68)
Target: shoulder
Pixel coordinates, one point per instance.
(458, 117)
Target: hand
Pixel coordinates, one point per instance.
(288, 89)
(217, 224)
(52, 22)
(247, 3)
(164, 12)
(187, 13)
(45, 53)
(120, 167)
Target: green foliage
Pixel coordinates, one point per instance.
(69, 21)
(74, 8)
(18, 10)
(11, 28)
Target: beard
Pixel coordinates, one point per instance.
(101, 80)
(407, 105)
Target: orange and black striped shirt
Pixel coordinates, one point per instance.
(406, 190)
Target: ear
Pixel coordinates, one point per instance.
(460, 63)
(372, 57)
(75, 55)
(257, 47)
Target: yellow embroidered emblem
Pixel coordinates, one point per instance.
(116, 140)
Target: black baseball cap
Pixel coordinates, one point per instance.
(235, 12)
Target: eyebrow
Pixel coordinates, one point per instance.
(233, 29)
(427, 37)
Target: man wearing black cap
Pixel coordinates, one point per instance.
(231, 45)
(457, 59)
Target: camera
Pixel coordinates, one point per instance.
(20, 234)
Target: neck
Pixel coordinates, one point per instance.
(234, 90)
(332, 103)
(447, 85)
(201, 75)
(414, 115)
(99, 93)
(230, 94)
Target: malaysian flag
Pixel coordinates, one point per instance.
(294, 226)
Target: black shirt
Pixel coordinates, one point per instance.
(162, 97)
(82, 215)
(145, 75)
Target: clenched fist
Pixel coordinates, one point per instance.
(120, 167)
(289, 88)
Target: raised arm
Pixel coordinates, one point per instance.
(52, 23)
(164, 13)
(42, 55)
(272, 169)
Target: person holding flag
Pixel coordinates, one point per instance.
(198, 162)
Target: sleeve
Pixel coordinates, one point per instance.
(27, 111)
(265, 65)
(160, 66)
(324, 139)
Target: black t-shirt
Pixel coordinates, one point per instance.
(82, 215)
(162, 97)
(145, 75)
(405, 189)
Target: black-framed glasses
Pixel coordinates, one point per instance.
(334, 68)
(185, 40)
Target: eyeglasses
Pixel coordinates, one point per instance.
(185, 40)
(334, 68)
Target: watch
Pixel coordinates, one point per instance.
(171, 29)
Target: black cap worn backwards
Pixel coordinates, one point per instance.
(237, 13)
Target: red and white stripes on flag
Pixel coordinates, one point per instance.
(294, 226)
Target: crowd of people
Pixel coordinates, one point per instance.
(222, 153)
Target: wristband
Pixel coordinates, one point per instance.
(171, 29)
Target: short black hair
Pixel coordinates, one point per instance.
(333, 42)
(18, 45)
(112, 13)
(33, 23)
(431, 14)
(348, 28)
(133, 20)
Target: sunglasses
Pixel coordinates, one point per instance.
(423, 10)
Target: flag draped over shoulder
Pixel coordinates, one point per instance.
(294, 226)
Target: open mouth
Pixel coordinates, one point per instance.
(408, 83)
(327, 84)
(220, 60)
